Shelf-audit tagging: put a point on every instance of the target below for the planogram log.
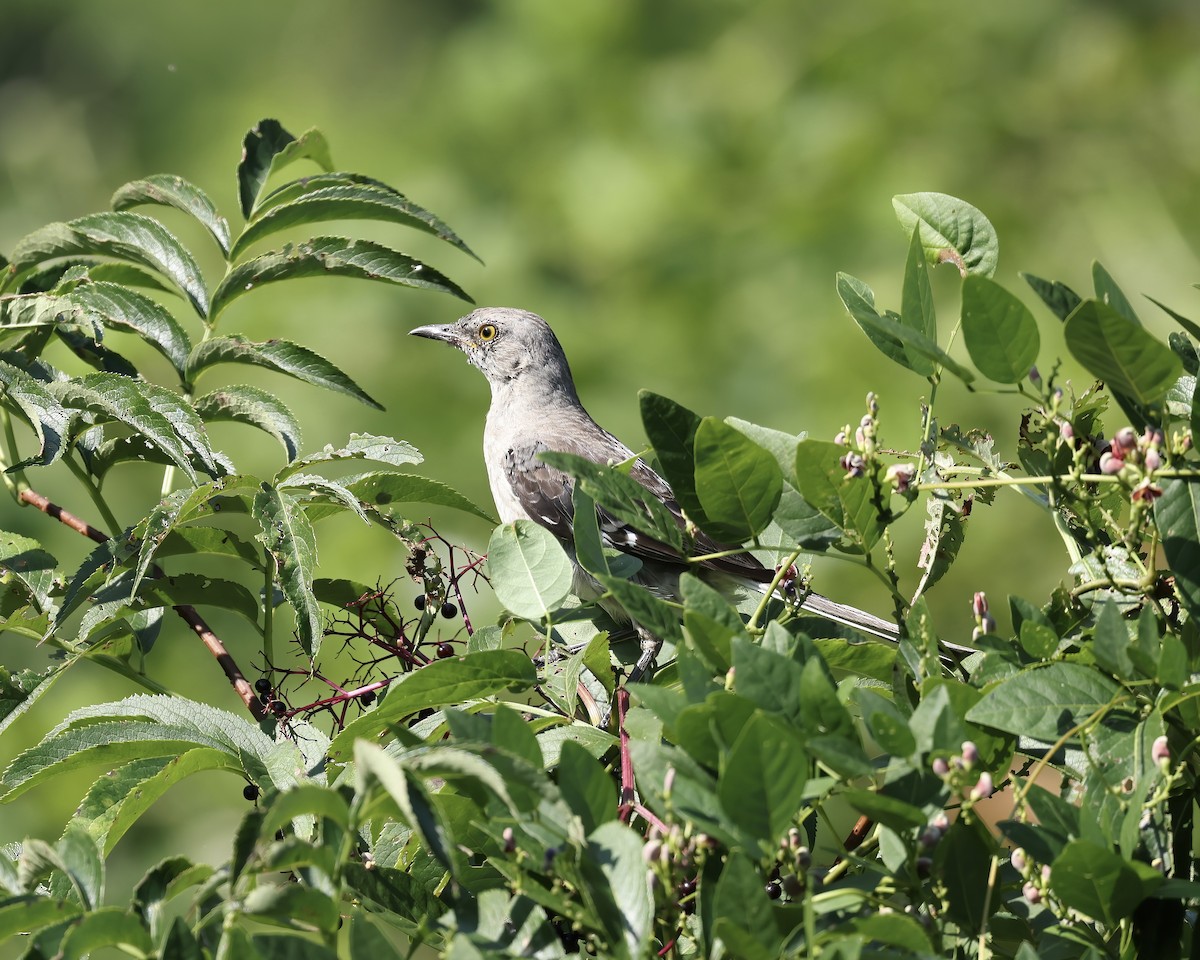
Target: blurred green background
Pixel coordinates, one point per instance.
(673, 185)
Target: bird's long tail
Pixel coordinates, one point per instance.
(850, 617)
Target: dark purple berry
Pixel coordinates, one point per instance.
(688, 887)
(262, 685)
(367, 698)
(419, 601)
(250, 792)
(279, 708)
(449, 610)
(774, 889)
(445, 650)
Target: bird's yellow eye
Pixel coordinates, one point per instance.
(487, 332)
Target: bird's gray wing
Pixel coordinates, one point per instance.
(545, 494)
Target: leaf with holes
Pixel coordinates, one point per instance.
(282, 356)
(332, 257)
(168, 190)
(47, 417)
(288, 534)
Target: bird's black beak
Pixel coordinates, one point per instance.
(445, 332)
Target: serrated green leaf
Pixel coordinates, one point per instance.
(282, 356)
(616, 492)
(360, 446)
(339, 196)
(168, 190)
(332, 257)
(529, 569)
(36, 404)
(1121, 353)
(738, 483)
(122, 309)
(1000, 333)
(127, 236)
(288, 534)
(951, 230)
(382, 490)
(409, 794)
(443, 682)
(312, 488)
(267, 148)
(160, 416)
(242, 403)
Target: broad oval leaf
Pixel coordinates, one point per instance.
(530, 571)
(671, 430)
(126, 236)
(340, 196)
(1177, 513)
(1097, 882)
(242, 403)
(169, 190)
(331, 257)
(1000, 333)
(951, 231)
(1121, 353)
(847, 502)
(1045, 703)
(283, 356)
(738, 483)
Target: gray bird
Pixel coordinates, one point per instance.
(535, 409)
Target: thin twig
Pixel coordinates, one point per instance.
(186, 611)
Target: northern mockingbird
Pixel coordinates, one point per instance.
(535, 409)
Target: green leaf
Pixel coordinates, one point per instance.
(242, 403)
(590, 551)
(1177, 513)
(289, 903)
(951, 230)
(903, 344)
(409, 794)
(331, 257)
(268, 148)
(1107, 292)
(1060, 298)
(671, 430)
(339, 196)
(763, 779)
(530, 571)
(622, 496)
(360, 446)
(45, 414)
(106, 927)
(1097, 882)
(1045, 703)
(161, 417)
(650, 611)
(169, 190)
(620, 894)
(26, 915)
(738, 483)
(847, 502)
(457, 680)
(383, 490)
(916, 296)
(282, 356)
(744, 920)
(1121, 353)
(126, 236)
(288, 534)
(586, 788)
(1000, 332)
(891, 812)
(963, 860)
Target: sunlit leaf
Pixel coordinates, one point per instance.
(1000, 332)
(951, 231)
(242, 403)
(529, 570)
(268, 147)
(738, 483)
(45, 414)
(288, 534)
(1121, 353)
(169, 190)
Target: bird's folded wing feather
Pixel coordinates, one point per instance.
(545, 493)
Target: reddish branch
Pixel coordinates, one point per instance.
(186, 611)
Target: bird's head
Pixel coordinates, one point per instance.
(507, 345)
